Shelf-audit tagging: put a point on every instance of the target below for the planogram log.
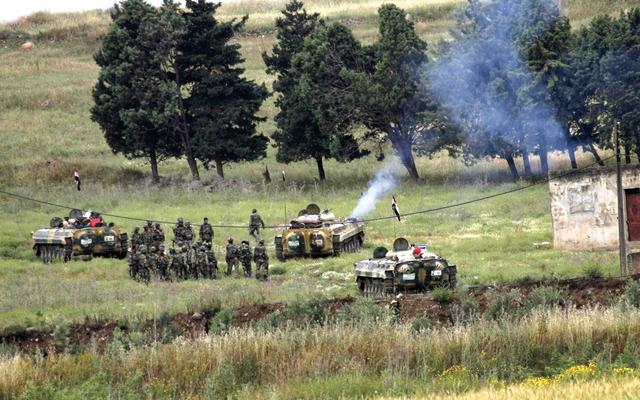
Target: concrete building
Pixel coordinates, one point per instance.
(584, 208)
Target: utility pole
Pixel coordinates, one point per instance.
(621, 213)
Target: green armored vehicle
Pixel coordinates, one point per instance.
(79, 237)
(405, 268)
(319, 233)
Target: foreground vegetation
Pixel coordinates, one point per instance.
(545, 348)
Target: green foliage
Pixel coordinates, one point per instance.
(61, 335)
(442, 294)
(311, 309)
(546, 296)
(167, 329)
(504, 305)
(221, 322)
(277, 270)
(468, 311)
(420, 324)
(593, 271)
(363, 311)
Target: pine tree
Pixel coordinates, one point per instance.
(130, 96)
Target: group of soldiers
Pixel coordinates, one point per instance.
(193, 259)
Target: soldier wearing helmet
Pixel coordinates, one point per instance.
(142, 261)
(158, 235)
(178, 231)
(245, 258)
(189, 233)
(191, 260)
(213, 262)
(201, 262)
(206, 231)
(136, 238)
(147, 236)
(255, 223)
(233, 255)
(261, 258)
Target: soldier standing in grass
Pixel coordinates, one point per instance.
(245, 258)
(189, 233)
(192, 261)
(201, 262)
(172, 263)
(233, 253)
(213, 261)
(255, 223)
(206, 231)
(184, 262)
(133, 263)
(147, 236)
(136, 238)
(152, 260)
(158, 235)
(163, 263)
(178, 231)
(261, 258)
(143, 264)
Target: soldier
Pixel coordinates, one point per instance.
(245, 258)
(162, 262)
(232, 257)
(158, 235)
(178, 231)
(202, 262)
(213, 261)
(147, 236)
(142, 262)
(150, 225)
(206, 231)
(184, 254)
(133, 263)
(173, 264)
(136, 238)
(189, 233)
(152, 260)
(192, 261)
(261, 258)
(254, 224)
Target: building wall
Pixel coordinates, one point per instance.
(584, 207)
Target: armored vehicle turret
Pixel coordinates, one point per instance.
(319, 233)
(405, 268)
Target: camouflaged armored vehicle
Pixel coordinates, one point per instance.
(89, 237)
(319, 233)
(405, 268)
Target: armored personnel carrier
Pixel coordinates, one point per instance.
(405, 268)
(81, 237)
(319, 233)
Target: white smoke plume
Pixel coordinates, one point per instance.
(382, 182)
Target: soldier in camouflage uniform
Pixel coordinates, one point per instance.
(147, 236)
(152, 260)
(184, 261)
(255, 223)
(162, 261)
(192, 261)
(202, 263)
(245, 258)
(189, 233)
(178, 231)
(143, 264)
(158, 235)
(213, 261)
(206, 231)
(233, 254)
(133, 263)
(172, 262)
(261, 258)
(136, 238)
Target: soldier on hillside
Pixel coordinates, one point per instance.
(152, 261)
(162, 262)
(189, 233)
(233, 254)
(213, 261)
(143, 264)
(158, 235)
(192, 261)
(147, 236)
(245, 258)
(178, 231)
(261, 258)
(172, 264)
(206, 231)
(184, 262)
(202, 263)
(136, 238)
(133, 263)
(255, 223)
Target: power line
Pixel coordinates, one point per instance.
(361, 220)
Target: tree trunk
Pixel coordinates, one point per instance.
(527, 164)
(153, 160)
(512, 167)
(593, 151)
(571, 149)
(320, 168)
(403, 145)
(544, 162)
(193, 166)
(627, 154)
(219, 169)
(184, 133)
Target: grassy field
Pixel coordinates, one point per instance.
(491, 242)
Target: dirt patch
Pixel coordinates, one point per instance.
(579, 292)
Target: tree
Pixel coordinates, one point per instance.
(130, 96)
(386, 91)
(221, 105)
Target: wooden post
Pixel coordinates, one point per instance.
(621, 213)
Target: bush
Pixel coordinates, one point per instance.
(269, 323)
(593, 271)
(168, 330)
(363, 310)
(504, 304)
(277, 270)
(632, 294)
(222, 321)
(312, 309)
(546, 296)
(442, 294)
(420, 324)
(61, 335)
(468, 311)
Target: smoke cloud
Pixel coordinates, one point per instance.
(382, 182)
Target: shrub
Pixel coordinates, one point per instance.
(546, 296)
(632, 294)
(442, 294)
(270, 322)
(277, 270)
(363, 310)
(222, 321)
(168, 330)
(593, 271)
(312, 309)
(61, 335)
(505, 303)
(468, 311)
(420, 324)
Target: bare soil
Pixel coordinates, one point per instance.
(579, 292)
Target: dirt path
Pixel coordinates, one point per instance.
(580, 292)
